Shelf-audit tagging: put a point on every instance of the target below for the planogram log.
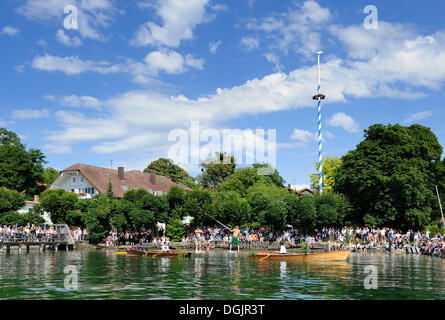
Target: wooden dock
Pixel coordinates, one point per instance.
(62, 240)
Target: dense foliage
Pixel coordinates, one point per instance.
(389, 178)
(330, 166)
(20, 169)
(167, 168)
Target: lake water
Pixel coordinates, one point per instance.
(218, 275)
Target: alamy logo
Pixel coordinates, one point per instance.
(71, 281)
(370, 281)
(254, 146)
(71, 21)
(371, 21)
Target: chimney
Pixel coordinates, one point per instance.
(153, 176)
(120, 173)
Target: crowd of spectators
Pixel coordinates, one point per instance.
(359, 239)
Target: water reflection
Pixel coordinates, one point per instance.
(217, 275)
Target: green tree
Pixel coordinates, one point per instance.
(110, 193)
(389, 177)
(175, 198)
(97, 218)
(10, 200)
(135, 195)
(167, 168)
(215, 170)
(330, 166)
(49, 175)
(20, 169)
(142, 219)
(33, 218)
(12, 218)
(274, 215)
(231, 208)
(199, 205)
(58, 203)
(74, 219)
(158, 205)
(244, 178)
(175, 230)
(119, 222)
(331, 209)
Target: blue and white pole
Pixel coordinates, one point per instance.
(319, 97)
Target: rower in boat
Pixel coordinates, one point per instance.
(164, 242)
(282, 247)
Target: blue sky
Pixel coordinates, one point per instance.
(134, 71)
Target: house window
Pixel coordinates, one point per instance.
(82, 179)
(74, 179)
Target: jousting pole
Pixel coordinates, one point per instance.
(319, 97)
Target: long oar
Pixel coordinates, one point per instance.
(216, 220)
(268, 255)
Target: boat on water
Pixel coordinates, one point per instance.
(153, 253)
(301, 257)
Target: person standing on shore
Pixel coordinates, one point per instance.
(198, 239)
(235, 239)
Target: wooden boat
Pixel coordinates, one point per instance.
(136, 251)
(301, 257)
(152, 253)
(166, 254)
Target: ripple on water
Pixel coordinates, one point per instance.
(218, 276)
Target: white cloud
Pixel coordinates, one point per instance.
(341, 119)
(297, 30)
(219, 7)
(179, 19)
(171, 62)
(5, 123)
(418, 116)
(66, 40)
(26, 114)
(167, 61)
(42, 43)
(10, 31)
(49, 97)
(273, 58)
(72, 65)
(303, 135)
(93, 15)
(82, 101)
(57, 148)
(20, 68)
(213, 46)
(250, 43)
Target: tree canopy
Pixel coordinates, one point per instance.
(20, 169)
(389, 178)
(167, 168)
(215, 170)
(330, 165)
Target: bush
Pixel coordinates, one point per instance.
(10, 200)
(58, 203)
(175, 230)
(12, 218)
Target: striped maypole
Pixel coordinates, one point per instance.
(319, 97)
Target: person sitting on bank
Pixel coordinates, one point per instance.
(235, 240)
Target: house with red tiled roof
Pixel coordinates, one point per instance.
(300, 192)
(88, 181)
